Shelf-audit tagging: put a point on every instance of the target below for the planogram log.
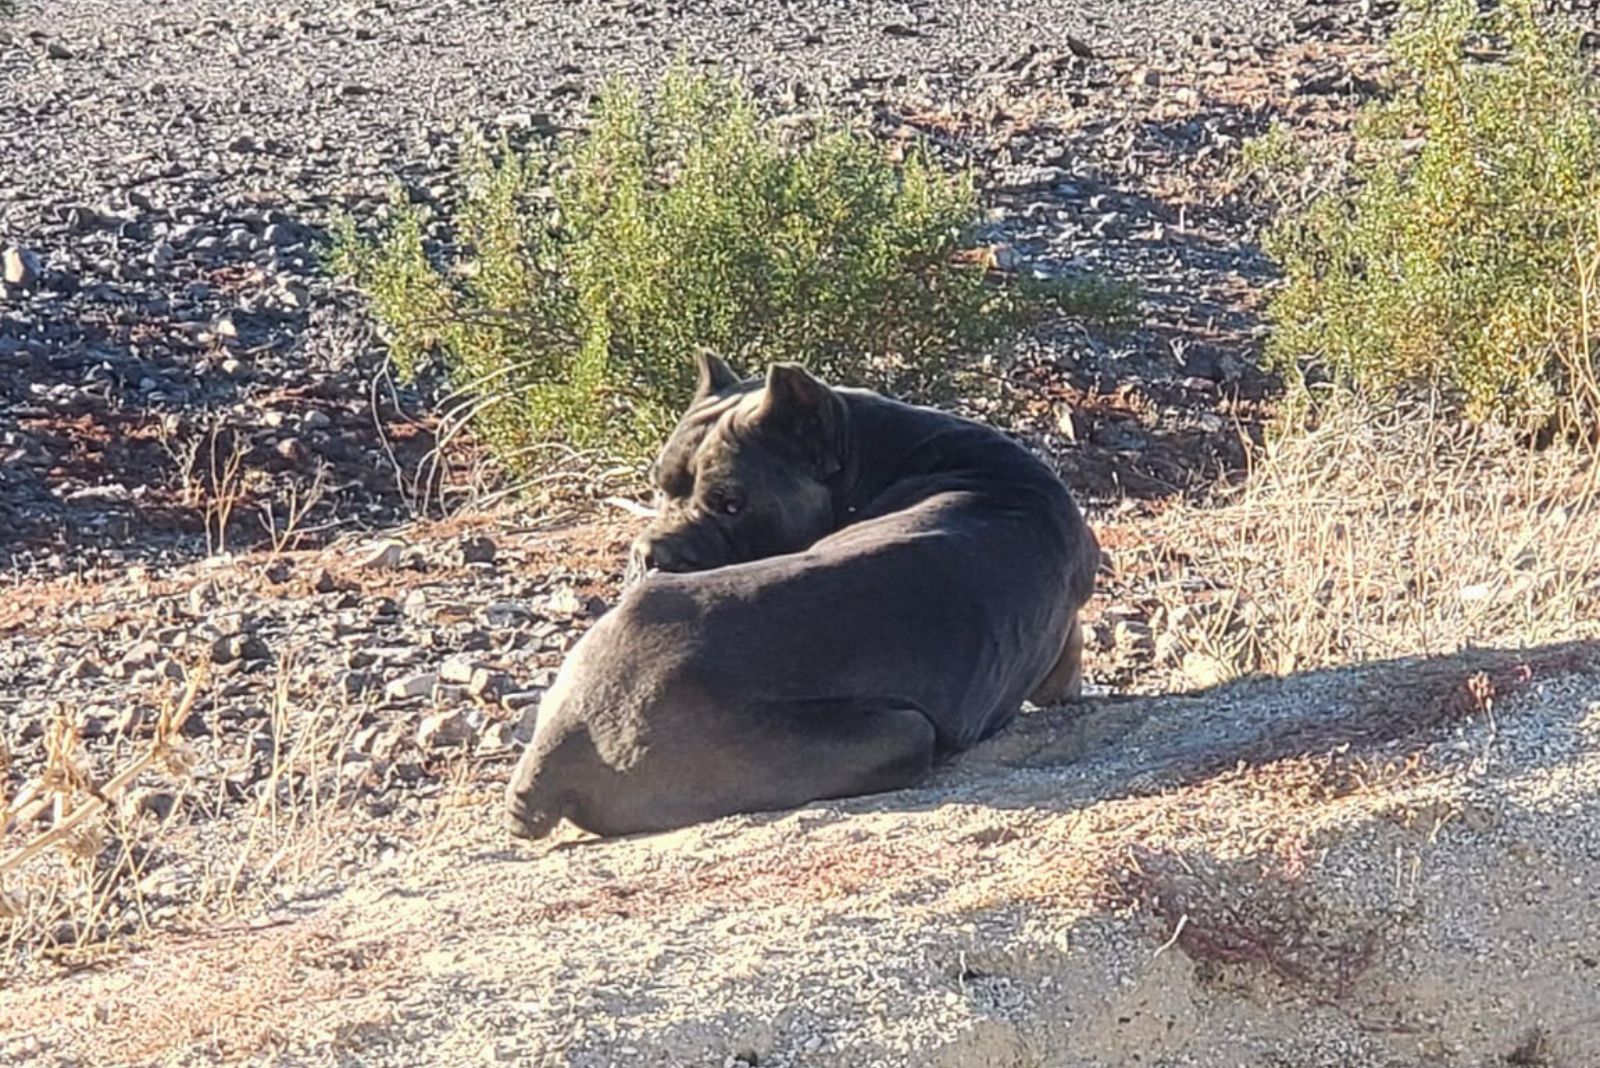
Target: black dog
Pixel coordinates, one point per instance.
(841, 588)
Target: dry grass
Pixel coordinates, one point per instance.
(69, 907)
(91, 861)
(1374, 535)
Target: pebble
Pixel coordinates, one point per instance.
(505, 614)
(19, 266)
(384, 556)
(352, 683)
(487, 684)
(237, 647)
(1203, 670)
(419, 684)
(442, 730)
(497, 735)
(458, 669)
(476, 549)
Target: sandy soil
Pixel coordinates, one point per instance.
(1379, 866)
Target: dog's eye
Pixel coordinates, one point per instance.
(723, 503)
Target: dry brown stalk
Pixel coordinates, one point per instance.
(165, 746)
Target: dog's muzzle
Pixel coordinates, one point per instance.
(667, 552)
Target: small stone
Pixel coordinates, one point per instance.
(384, 556)
(517, 700)
(458, 669)
(476, 549)
(447, 693)
(316, 419)
(444, 730)
(150, 801)
(527, 704)
(497, 735)
(57, 50)
(420, 684)
(1131, 635)
(324, 582)
(504, 614)
(195, 726)
(293, 450)
(130, 723)
(488, 685)
(352, 684)
(360, 658)
(141, 655)
(374, 741)
(237, 647)
(1148, 77)
(1006, 258)
(564, 602)
(83, 668)
(20, 266)
(538, 121)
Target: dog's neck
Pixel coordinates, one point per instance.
(892, 448)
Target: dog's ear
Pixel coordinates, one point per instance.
(712, 374)
(806, 414)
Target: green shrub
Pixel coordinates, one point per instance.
(1462, 256)
(589, 273)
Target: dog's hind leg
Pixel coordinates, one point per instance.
(841, 748)
(808, 750)
(1065, 680)
(769, 758)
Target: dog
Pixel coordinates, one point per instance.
(839, 590)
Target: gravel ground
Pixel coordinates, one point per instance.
(171, 168)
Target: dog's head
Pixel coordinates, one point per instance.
(751, 471)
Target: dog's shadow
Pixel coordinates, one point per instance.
(1104, 748)
(1126, 746)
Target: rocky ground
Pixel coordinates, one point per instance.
(204, 468)
(168, 340)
